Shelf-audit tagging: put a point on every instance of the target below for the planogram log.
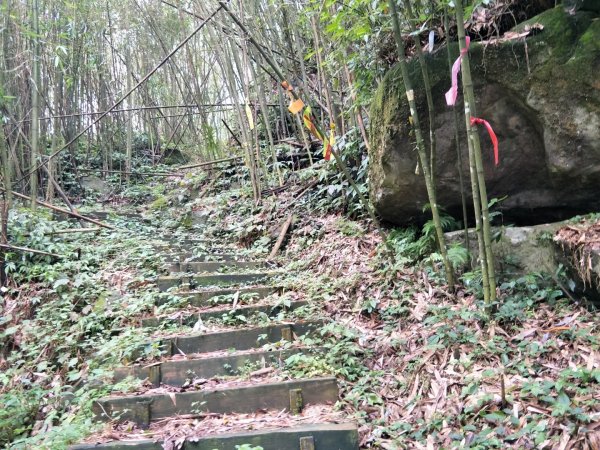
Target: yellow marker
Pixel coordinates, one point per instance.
(250, 116)
(296, 106)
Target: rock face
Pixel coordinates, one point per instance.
(542, 96)
(96, 184)
(518, 250)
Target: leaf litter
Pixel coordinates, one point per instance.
(174, 431)
(439, 374)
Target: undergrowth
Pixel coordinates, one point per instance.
(418, 366)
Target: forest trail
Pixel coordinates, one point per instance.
(222, 389)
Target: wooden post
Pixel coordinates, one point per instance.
(154, 375)
(307, 443)
(296, 403)
(286, 334)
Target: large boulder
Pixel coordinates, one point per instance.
(541, 95)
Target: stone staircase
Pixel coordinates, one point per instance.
(229, 376)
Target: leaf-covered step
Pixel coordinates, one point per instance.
(184, 244)
(190, 320)
(208, 257)
(167, 282)
(222, 296)
(213, 266)
(322, 436)
(225, 254)
(283, 396)
(238, 339)
(176, 372)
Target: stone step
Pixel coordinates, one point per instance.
(213, 266)
(283, 396)
(210, 296)
(191, 319)
(175, 372)
(325, 436)
(166, 282)
(238, 339)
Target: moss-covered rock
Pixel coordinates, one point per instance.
(542, 96)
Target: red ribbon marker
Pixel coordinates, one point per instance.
(453, 92)
(478, 121)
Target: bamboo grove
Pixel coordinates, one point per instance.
(86, 85)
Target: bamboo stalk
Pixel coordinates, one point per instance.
(428, 95)
(459, 158)
(64, 211)
(281, 237)
(232, 133)
(146, 174)
(410, 95)
(488, 255)
(35, 102)
(129, 92)
(208, 163)
(69, 231)
(28, 250)
(340, 163)
(5, 203)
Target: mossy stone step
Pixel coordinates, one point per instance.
(286, 396)
(240, 339)
(176, 372)
(326, 436)
(208, 297)
(213, 266)
(192, 319)
(193, 281)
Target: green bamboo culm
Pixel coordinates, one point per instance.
(421, 145)
(459, 159)
(428, 93)
(485, 235)
(35, 102)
